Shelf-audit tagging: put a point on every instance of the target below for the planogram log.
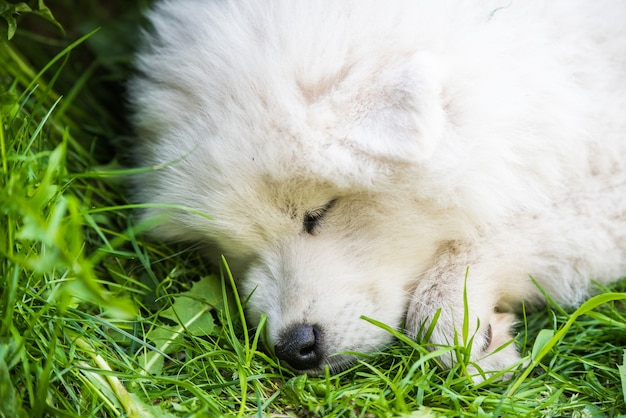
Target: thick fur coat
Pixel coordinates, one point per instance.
(359, 157)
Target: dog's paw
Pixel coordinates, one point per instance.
(496, 352)
(487, 350)
(453, 312)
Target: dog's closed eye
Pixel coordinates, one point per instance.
(314, 217)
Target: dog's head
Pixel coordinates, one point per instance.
(310, 168)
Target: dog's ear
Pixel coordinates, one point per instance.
(399, 114)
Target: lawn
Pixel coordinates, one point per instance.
(99, 321)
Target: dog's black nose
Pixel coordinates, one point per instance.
(300, 347)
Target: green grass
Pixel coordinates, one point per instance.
(96, 321)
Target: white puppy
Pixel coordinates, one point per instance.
(355, 157)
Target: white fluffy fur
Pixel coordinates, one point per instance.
(452, 134)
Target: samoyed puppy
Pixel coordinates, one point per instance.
(389, 159)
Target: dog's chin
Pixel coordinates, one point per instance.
(335, 363)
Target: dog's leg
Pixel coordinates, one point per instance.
(448, 293)
(565, 248)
